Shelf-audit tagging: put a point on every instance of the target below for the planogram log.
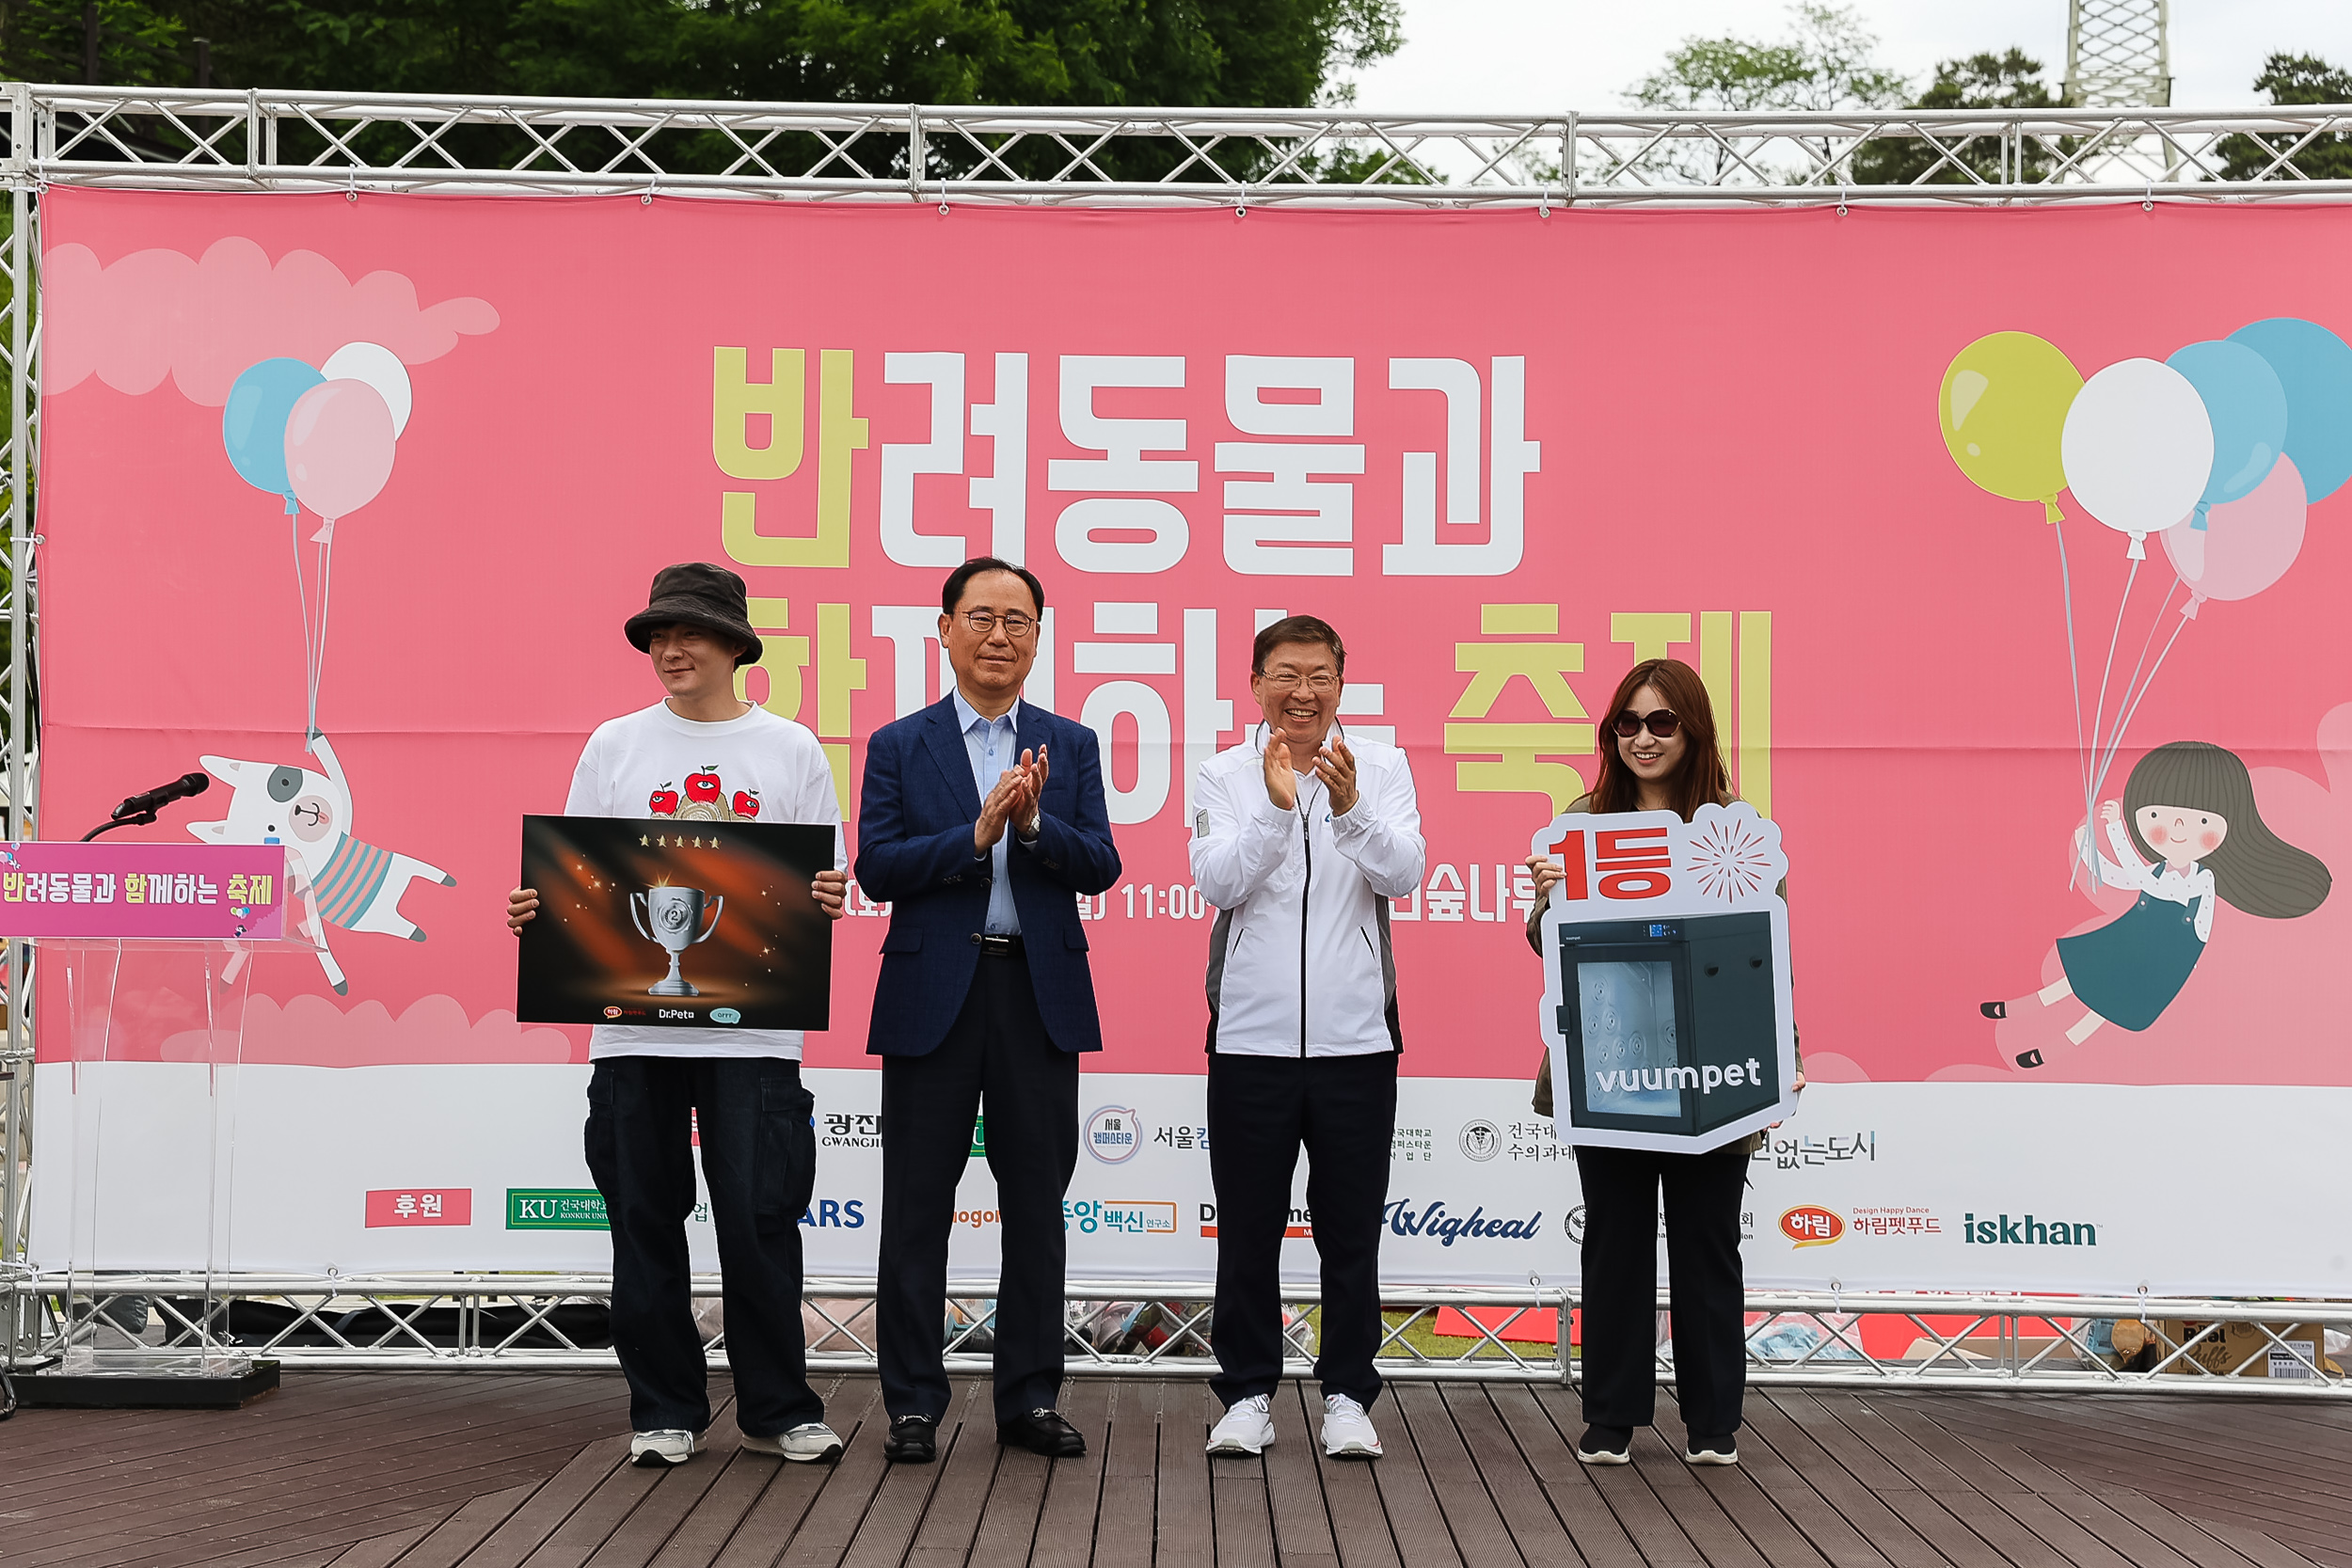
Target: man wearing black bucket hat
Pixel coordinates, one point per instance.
(704, 754)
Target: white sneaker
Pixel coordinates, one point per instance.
(809, 1443)
(1347, 1432)
(1248, 1427)
(649, 1449)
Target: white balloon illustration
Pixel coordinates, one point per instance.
(381, 369)
(2137, 447)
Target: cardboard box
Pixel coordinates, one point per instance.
(2242, 1349)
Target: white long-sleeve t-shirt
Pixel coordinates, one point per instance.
(1300, 962)
(754, 767)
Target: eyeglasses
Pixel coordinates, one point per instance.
(1661, 723)
(985, 622)
(1320, 684)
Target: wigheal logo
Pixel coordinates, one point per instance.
(1482, 1140)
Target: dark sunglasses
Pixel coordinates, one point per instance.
(1661, 723)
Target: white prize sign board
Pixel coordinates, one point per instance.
(1666, 997)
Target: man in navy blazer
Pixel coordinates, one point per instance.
(981, 819)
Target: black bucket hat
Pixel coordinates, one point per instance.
(696, 594)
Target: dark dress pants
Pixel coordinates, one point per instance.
(1262, 1110)
(1705, 1284)
(759, 1161)
(996, 1051)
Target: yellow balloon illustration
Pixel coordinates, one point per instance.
(2003, 408)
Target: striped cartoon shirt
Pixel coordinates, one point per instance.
(354, 873)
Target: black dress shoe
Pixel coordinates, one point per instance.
(913, 1440)
(1043, 1431)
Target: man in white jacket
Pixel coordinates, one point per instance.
(1301, 841)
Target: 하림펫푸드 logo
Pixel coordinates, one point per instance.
(1482, 1140)
(612, 1012)
(1113, 1134)
(2029, 1231)
(1810, 1225)
(1435, 1222)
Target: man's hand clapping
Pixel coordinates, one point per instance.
(1013, 803)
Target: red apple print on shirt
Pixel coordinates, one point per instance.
(747, 802)
(702, 787)
(663, 801)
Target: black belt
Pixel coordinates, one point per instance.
(995, 946)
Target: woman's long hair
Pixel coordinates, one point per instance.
(2255, 869)
(1702, 779)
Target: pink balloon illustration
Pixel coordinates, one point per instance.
(339, 448)
(2246, 546)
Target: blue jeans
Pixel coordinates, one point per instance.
(759, 1161)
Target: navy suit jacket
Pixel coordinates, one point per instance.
(915, 851)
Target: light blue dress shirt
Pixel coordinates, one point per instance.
(992, 745)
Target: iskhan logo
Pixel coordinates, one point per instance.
(2029, 1231)
(1482, 1140)
(1810, 1225)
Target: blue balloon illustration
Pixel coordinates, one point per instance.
(2314, 367)
(253, 424)
(2248, 410)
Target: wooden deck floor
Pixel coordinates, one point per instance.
(434, 1470)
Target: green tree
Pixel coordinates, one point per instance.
(1231, 53)
(1824, 63)
(2006, 81)
(2293, 79)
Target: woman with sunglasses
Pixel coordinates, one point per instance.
(1662, 755)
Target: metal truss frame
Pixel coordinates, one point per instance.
(365, 143)
(219, 139)
(510, 1323)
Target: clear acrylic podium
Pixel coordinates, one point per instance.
(154, 1030)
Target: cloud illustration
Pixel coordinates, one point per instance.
(157, 313)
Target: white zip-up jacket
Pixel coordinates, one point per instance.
(1300, 958)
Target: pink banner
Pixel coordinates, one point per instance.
(180, 892)
(397, 469)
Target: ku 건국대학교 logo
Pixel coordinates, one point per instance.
(1482, 1140)
(1113, 1134)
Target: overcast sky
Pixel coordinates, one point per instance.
(1542, 56)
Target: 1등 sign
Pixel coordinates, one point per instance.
(642, 924)
(1666, 979)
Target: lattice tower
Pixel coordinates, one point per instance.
(2117, 54)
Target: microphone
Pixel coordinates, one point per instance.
(163, 794)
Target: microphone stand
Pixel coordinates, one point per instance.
(136, 819)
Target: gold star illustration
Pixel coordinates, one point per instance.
(642, 841)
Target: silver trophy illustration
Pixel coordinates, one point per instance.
(677, 916)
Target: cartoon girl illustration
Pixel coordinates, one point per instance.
(2188, 808)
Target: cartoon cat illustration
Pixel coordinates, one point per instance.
(357, 885)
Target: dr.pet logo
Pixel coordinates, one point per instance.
(1810, 1225)
(2029, 1231)
(1435, 1223)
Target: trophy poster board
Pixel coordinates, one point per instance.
(1667, 996)
(686, 925)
